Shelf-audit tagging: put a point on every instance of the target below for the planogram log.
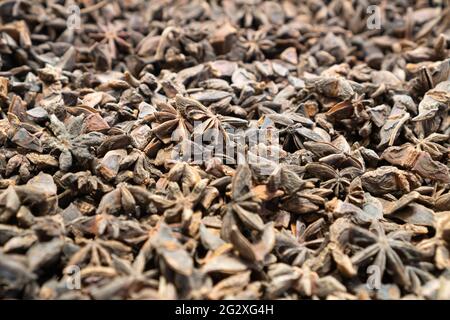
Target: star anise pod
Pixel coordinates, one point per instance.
(438, 247)
(114, 36)
(71, 142)
(212, 127)
(337, 180)
(295, 135)
(389, 252)
(169, 123)
(179, 204)
(296, 249)
(132, 279)
(98, 252)
(255, 44)
(254, 13)
(243, 211)
(336, 153)
(418, 276)
(430, 143)
(127, 199)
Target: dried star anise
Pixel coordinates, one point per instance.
(389, 252)
(232, 149)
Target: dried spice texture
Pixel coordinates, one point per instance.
(234, 149)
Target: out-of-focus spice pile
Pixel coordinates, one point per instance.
(94, 205)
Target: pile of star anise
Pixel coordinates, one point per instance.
(105, 106)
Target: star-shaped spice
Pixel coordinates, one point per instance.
(386, 251)
(71, 142)
(114, 36)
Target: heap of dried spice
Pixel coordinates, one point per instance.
(350, 201)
